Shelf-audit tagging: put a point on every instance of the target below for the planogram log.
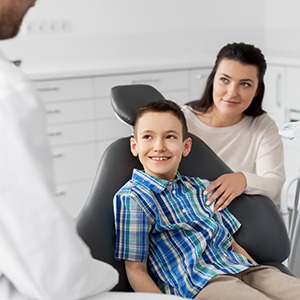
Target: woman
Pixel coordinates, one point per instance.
(230, 119)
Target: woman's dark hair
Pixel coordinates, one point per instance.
(245, 54)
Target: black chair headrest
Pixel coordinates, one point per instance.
(136, 95)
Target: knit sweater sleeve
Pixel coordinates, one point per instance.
(269, 176)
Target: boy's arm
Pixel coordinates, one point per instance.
(139, 278)
(239, 249)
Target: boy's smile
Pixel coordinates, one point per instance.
(159, 144)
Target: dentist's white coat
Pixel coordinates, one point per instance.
(41, 255)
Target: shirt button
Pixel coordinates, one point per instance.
(173, 192)
(184, 211)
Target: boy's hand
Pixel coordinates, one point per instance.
(226, 188)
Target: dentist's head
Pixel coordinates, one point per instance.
(12, 13)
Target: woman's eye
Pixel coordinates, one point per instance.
(224, 80)
(245, 84)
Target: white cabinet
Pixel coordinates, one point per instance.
(70, 110)
(293, 91)
(198, 78)
(282, 102)
(81, 123)
(274, 102)
(292, 147)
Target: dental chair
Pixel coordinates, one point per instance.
(263, 233)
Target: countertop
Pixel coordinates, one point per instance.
(104, 68)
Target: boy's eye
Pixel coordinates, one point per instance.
(146, 136)
(171, 136)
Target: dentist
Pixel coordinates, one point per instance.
(41, 255)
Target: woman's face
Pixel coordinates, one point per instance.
(234, 87)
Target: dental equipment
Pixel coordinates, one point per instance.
(291, 130)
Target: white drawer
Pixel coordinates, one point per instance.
(65, 89)
(66, 134)
(104, 108)
(163, 81)
(72, 196)
(74, 163)
(180, 97)
(111, 129)
(64, 112)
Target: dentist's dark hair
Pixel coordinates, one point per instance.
(245, 54)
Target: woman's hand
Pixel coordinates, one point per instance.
(226, 188)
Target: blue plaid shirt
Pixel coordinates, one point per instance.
(168, 224)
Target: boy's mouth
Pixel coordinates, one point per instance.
(159, 158)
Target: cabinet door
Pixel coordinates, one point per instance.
(65, 89)
(163, 81)
(292, 88)
(71, 134)
(72, 196)
(74, 163)
(198, 80)
(70, 112)
(274, 101)
(180, 97)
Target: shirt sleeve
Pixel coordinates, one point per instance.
(131, 225)
(270, 174)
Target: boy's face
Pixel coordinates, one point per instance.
(159, 144)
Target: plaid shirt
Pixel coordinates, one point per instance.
(168, 224)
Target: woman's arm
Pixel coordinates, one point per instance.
(269, 174)
(139, 278)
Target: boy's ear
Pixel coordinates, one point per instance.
(187, 146)
(133, 146)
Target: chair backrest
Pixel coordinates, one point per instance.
(263, 233)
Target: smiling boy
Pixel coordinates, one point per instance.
(164, 225)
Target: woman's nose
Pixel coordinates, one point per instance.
(232, 90)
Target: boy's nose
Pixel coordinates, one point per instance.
(159, 145)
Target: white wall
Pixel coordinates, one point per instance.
(282, 28)
(136, 29)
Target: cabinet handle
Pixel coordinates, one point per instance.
(60, 194)
(199, 76)
(53, 111)
(58, 155)
(49, 89)
(57, 133)
(155, 80)
(278, 90)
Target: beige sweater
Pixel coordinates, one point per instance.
(252, 146)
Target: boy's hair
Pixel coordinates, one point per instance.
(164, 106)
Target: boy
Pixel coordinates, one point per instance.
(163, 223)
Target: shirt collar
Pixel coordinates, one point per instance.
(157, 185)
